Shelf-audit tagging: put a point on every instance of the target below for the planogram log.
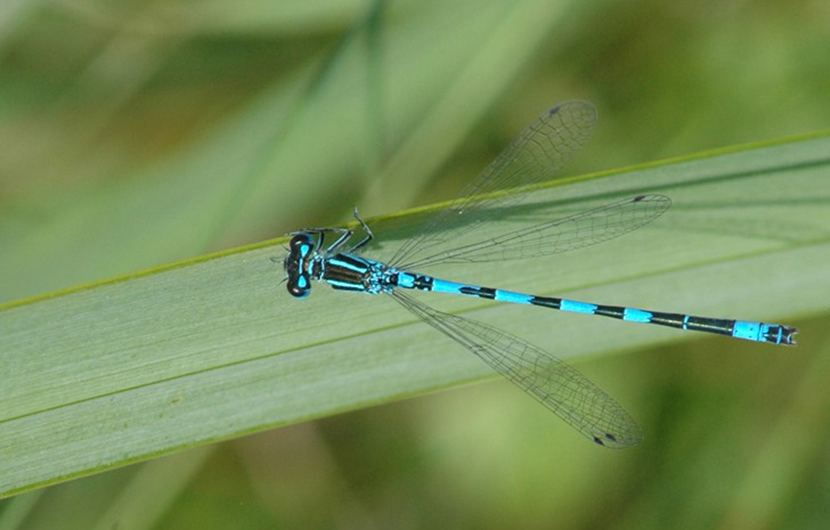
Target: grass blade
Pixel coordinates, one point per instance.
(213, 348)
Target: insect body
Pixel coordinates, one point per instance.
(452, 238)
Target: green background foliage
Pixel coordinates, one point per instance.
(135, 135)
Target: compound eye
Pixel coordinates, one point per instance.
(299, 241)
(300, 288)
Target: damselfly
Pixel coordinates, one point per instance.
(452, 236)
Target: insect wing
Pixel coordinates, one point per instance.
(561, 235)
(556, 385)
(539, 153)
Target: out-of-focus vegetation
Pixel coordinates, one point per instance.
(134, 134)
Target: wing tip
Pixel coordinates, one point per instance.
(574, 106)
(612, 441)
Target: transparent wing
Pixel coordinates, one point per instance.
(536, 155)
(560, 235)
(562, 389)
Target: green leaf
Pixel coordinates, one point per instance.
(213, 348)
